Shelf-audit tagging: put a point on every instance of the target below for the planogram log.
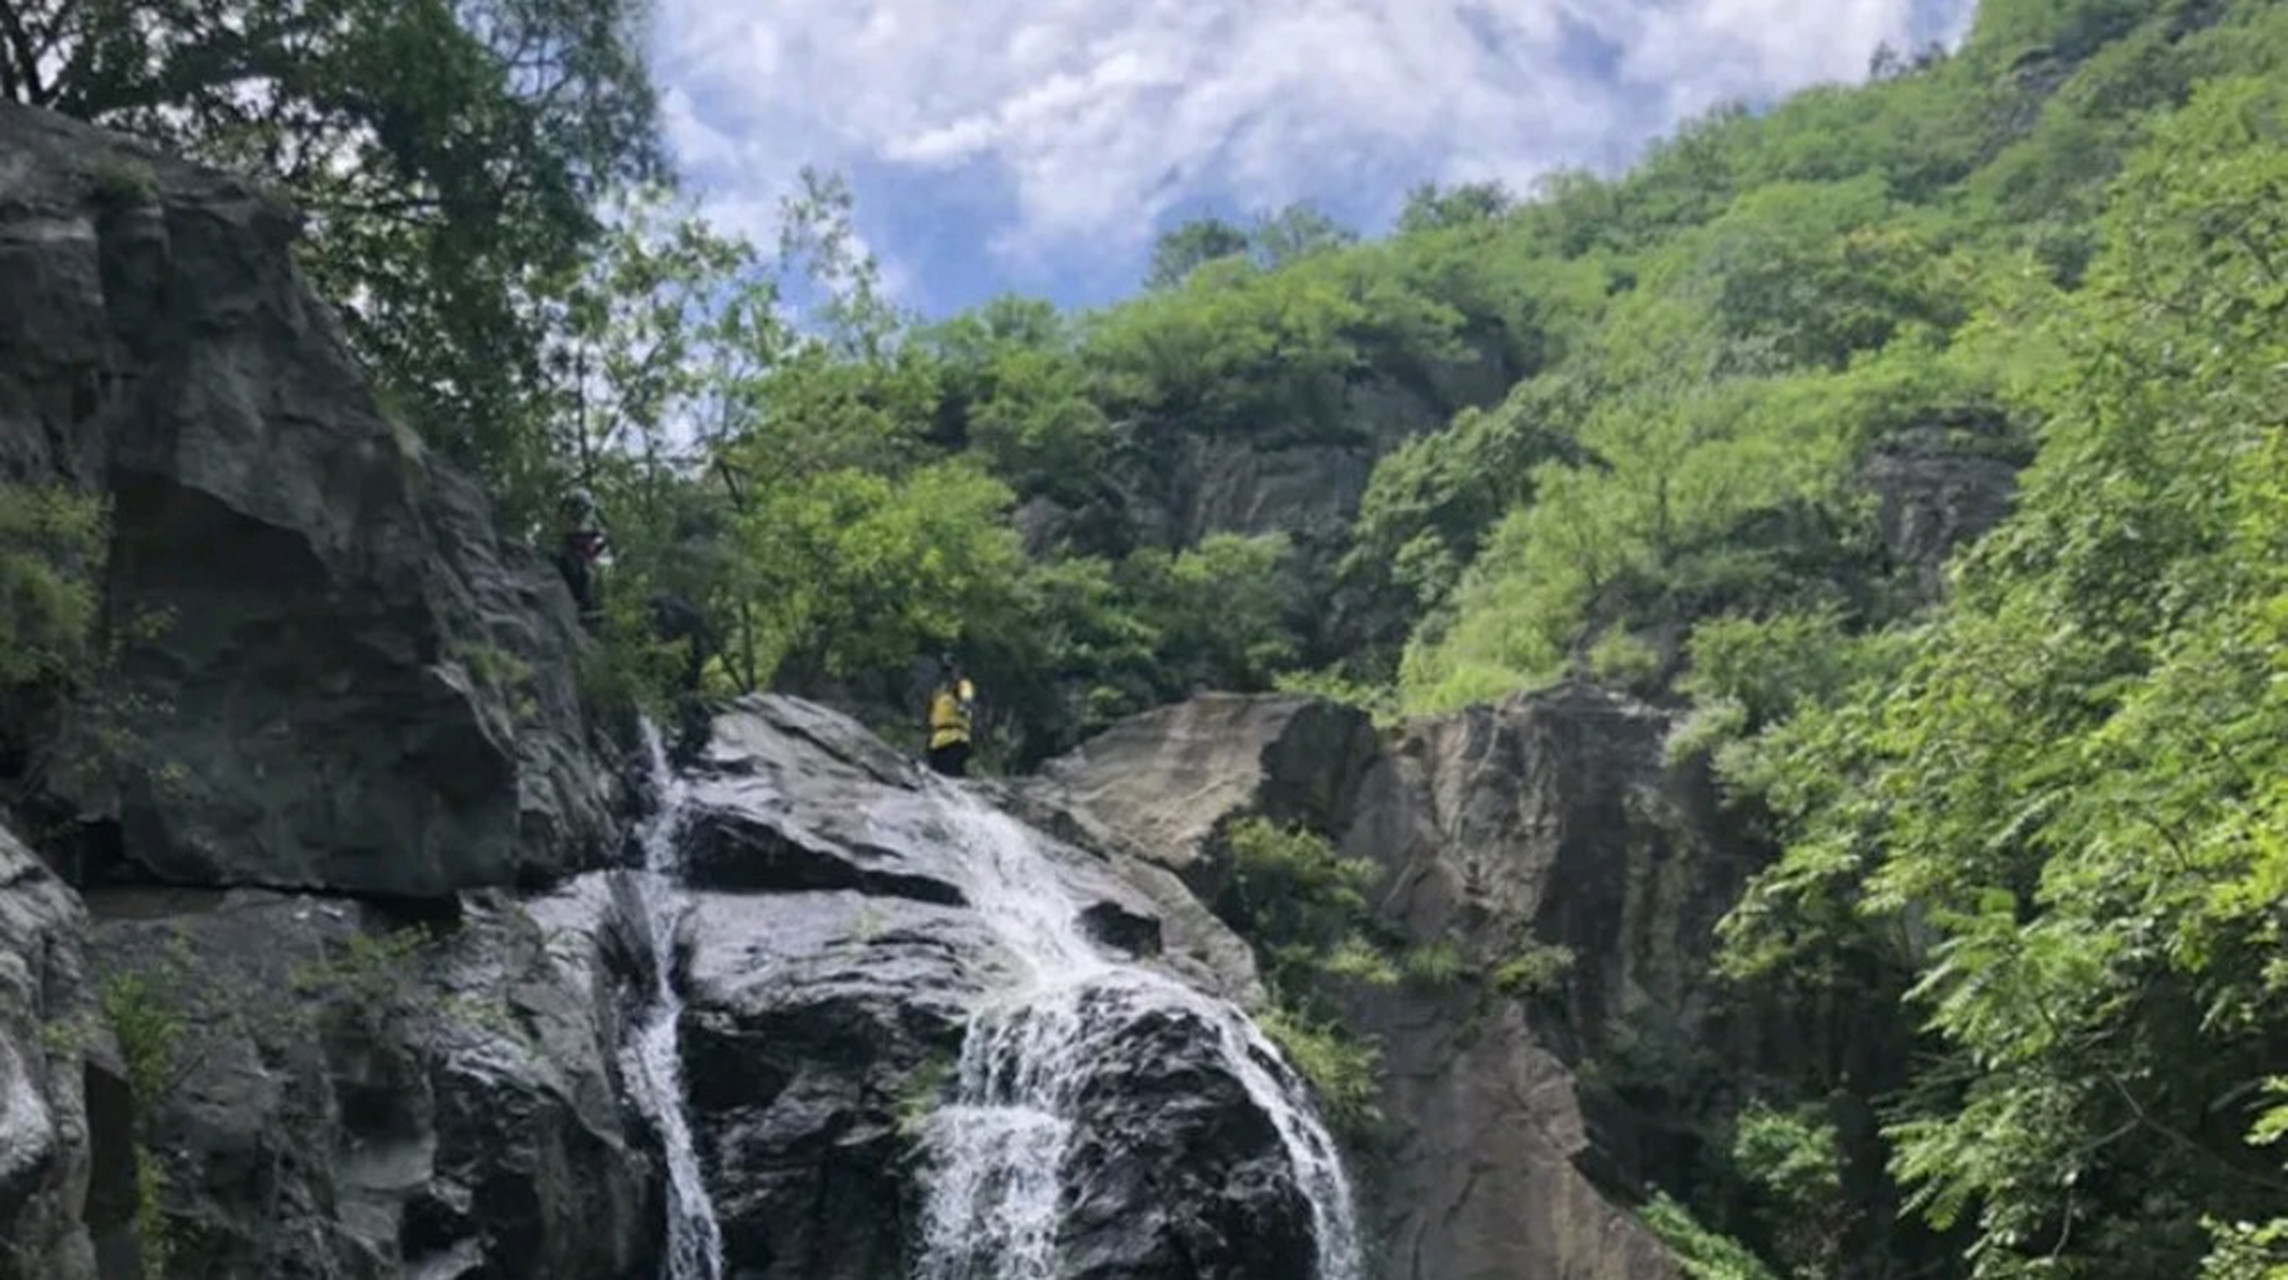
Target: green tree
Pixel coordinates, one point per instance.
(51, 553)
(1186, 248)
(1431, 207)
(1294, 233)
(2063, 816)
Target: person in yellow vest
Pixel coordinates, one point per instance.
(951, 706)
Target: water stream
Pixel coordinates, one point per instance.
(995, 1177)
(655, 1061)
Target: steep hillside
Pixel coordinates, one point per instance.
(1767, 370)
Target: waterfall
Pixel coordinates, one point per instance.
(654, 1061)
(997, 1150)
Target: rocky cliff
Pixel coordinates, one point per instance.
(848, 916)
(49, 1059)
(1585, 1055)
(324, 667)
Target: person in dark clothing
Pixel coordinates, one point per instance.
(674, 618)
(952, 707)
(580, 555)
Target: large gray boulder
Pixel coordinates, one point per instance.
(47, 1030)
(332, 671)
(343, 1093)
(1168, 781)
(815, 1027)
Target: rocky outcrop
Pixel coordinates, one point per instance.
(816, 1025)
(1548, 842)
(1167, 781)
(837, 947)
(331, 671)
(1299, 473)
(1940, 485)
(330, 702)
(1175, 1169)
(1298, 468)
(1579, 878)
(48, 1030)
(333, 1091)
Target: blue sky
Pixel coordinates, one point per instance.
(1038, 146)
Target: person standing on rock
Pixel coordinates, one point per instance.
(952, 706)
(582, 552)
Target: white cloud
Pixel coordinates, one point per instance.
(1099, 115)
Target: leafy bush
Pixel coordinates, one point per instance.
(1704, 1254)
(51, 557)
(148, 1010)
(1340, 1068)
(1794, 1159)
(1303, 908)
(1533, 969)
(1294, 896)
(1434, 964)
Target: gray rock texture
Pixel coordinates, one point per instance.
(835, 951)
(48, 1030)
(332, 672)
(344, 1093)
(1516, 1133)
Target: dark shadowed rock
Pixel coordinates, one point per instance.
(813, 1027)
(334, 673)
(1942, 484)
(47, 1029)
(1176, 1173)
(1122, 930)
(343, 1098)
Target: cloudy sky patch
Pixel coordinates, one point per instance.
(1039, 145)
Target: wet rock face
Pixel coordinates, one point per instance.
(834, 955)
(1176, 1171)
(339, 1097)
(335, 674)
(47, 1031)
(816, 1026)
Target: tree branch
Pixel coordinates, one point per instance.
(20, 73)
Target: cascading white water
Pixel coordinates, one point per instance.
(655, 1061)
(995, 1186)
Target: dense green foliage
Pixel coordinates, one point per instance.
(52, 549)
(2060, 807)
(1303, 905)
